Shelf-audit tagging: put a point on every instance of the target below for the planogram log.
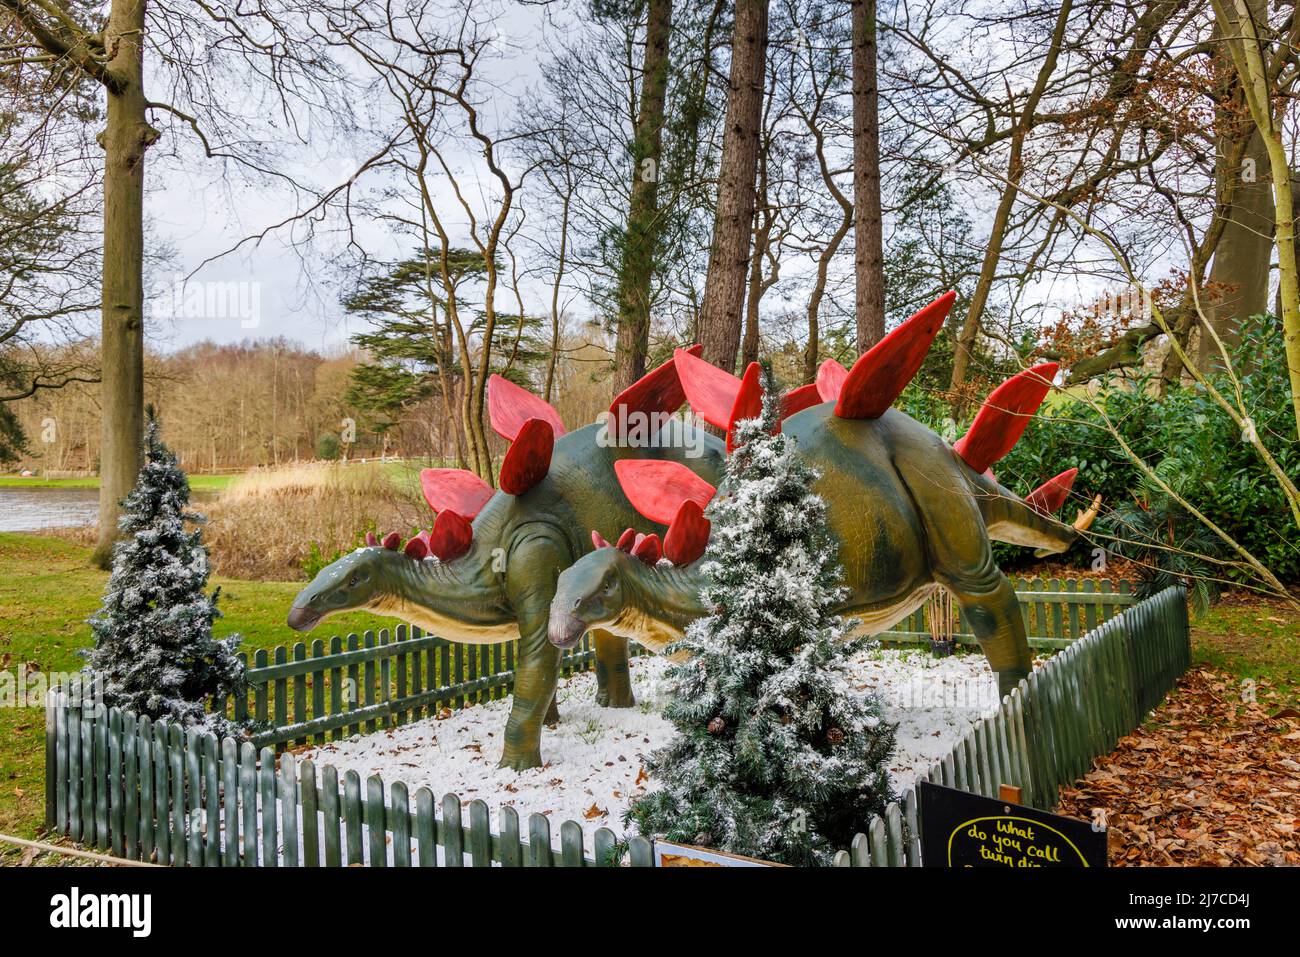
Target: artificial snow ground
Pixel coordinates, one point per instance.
(594, 755)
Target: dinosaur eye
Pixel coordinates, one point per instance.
(353, 582)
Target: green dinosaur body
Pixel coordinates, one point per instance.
(908, 516)
(501, 588)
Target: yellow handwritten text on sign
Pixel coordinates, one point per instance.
(1014, 842)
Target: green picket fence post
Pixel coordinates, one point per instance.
(641, 852)
(145, 755)
(453, 832)
(539, 841)
(400, 823)
(179, 819)
(310, 813)
(572, 852)
(426, 829)
(248, 804)
(318, 683)
(270, 825)
(230, 801)
(352, 815)
(211, 772)
(287, 787)
(162, 835)
(512, 846)
(376, 821)
(480, 834)
(106, 771)
(331, 815)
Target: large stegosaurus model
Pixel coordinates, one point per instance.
(909, 512)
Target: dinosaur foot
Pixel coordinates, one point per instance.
(615, 698)
(521, 760)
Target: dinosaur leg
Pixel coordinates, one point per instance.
(613, 681)
(533, 565)
(961, 559)
(993, 614)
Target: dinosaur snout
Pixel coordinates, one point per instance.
(565, 628)
(302, 618)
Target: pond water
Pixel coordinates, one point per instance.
(32, 509)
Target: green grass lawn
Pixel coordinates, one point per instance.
(198, 483)
(47, 590)
(1252, 639)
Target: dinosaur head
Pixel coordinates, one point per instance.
(354, 581)
(593, 592)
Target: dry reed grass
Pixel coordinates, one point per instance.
(266, 524)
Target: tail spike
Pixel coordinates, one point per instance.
(511, 406)
(1083, 521)
(1051, 495)
(1004, 416)
(882, 372)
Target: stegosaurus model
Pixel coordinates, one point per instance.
(910, 512)
(486, 572)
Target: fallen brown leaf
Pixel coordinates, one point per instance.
(1206, 781)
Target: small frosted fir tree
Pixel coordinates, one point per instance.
(776, 755)
(154, 652)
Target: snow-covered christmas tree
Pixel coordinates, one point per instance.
(776, 756)
(154, 652)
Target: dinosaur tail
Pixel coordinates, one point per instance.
(1009, 518)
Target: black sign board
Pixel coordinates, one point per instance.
(966, 830)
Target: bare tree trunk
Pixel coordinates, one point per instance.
(1240, 272)
(724, 288)
(1243, 30)
(637, 274)
(868, 254)
(126, 137)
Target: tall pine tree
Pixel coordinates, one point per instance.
(154, 652)
(776, 755)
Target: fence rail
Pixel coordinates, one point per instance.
(155, 791)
